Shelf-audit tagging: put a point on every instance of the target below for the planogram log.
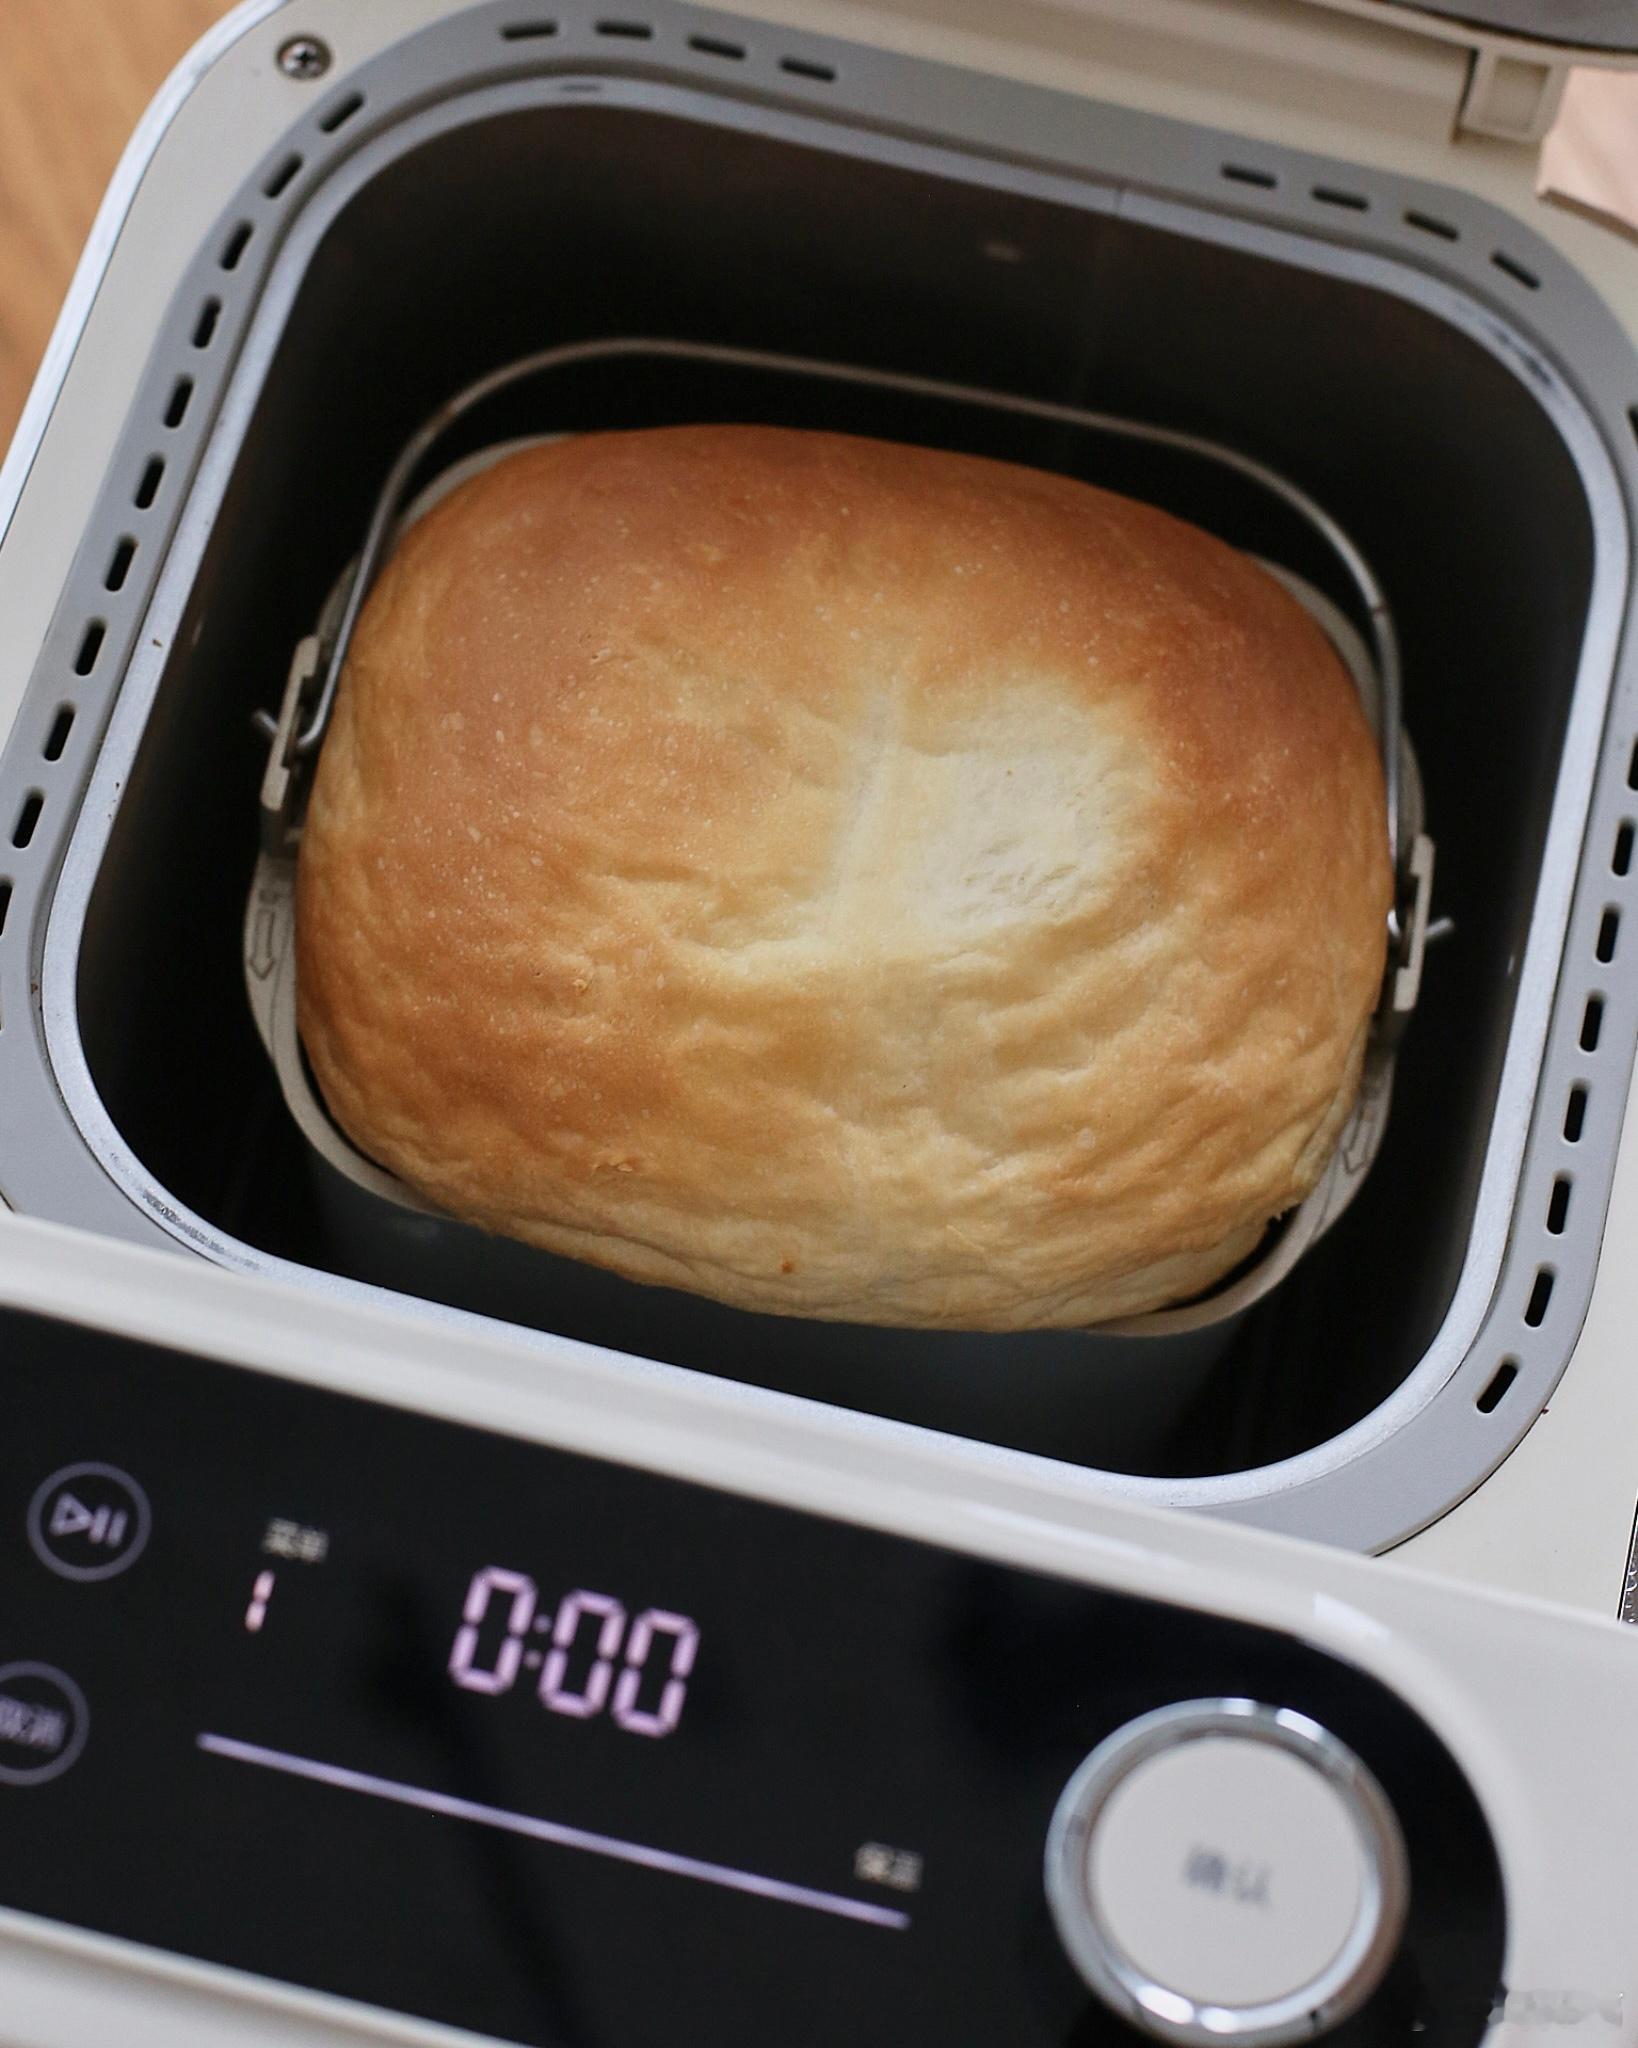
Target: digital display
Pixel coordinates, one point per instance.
(573, 1755)
(636, 1669)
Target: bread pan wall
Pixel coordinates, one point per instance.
(578, 207)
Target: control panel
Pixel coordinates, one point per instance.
(564, 1752)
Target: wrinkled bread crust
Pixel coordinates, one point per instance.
(847, 880)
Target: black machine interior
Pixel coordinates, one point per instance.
(534, 228)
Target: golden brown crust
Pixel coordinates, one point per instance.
(845, 879)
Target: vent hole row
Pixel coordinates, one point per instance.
(1575, 1108)
(1413, 217)
(120, 563)
(707, 46)
(143, 498)
(33, 806)
(145, 495)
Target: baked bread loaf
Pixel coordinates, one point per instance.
(847, 880)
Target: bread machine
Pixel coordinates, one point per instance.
(403, 1644)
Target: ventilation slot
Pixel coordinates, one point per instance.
(181, 398)
(633, 31)
(90, 647)
(714, 46)
(120, 567)
(340, 114)
(1592, 1022)
(205, 330)
(237, 243)
(148, 489)
(805, 67)
(1535, 1312)
(1504, 1376)
(61, 726)
(5, 906)
(1575, 1114)
(1632, 767)
(1430, 224)
(27, 818)
(1621, 858)
(1511, 267)
(1558, 1208)
(528, 31)
(280, 180)
(1246, 174)
(1331, 195)
(1609, 930)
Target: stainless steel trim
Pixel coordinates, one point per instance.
(1341, 1988)
(116, 205)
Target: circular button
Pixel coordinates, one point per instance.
(1221, 1870)
(43, 1723)
(89, 1522)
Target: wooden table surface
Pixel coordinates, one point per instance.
(75, 76)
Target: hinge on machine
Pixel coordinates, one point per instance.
(1511, 98)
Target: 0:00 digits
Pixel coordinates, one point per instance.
(632, 1645)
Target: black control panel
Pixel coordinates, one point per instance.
(573, 1755)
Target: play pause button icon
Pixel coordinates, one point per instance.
(89, 1522)
(101, 1527)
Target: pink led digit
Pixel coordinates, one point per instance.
(463, 1667)
(685, 1641)
(554, 1690)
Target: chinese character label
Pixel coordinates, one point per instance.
(1209, 1870)
(898, 1869)
(299, 1544)
(32, 1727)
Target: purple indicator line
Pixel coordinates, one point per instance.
(556, 1832)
